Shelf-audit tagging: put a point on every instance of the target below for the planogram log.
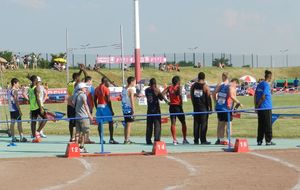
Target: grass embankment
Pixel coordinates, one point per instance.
(57, 79)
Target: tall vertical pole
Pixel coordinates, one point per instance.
(67, 56)
(137, 50)
(122, 53)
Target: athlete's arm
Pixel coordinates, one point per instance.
(86, 107)
(214, 94)
(96, 98)
(107, 99)
(192, 93)
(208, 94)
(232, 95)
(160, 95)
(131, 96)
(16, 100)
(38, 100)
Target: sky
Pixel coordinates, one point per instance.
(167, 26)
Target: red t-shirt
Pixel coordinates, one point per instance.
(174, 95)
(100, 93)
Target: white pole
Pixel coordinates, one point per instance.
(67, 56)
(122, 54)
(137, 51)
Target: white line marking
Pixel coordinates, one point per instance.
(192, 172)
(285, 163)
(88, 171)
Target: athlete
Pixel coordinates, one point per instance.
(220, 129)
(36, 109)
(128, 107)
(226, 101)
(200, 96)
(15, 111)
(104, 108)
(174, 94)
(70, 108)
(153, 95)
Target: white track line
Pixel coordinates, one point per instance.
(88, 171)
(285, 163)
(192, 172)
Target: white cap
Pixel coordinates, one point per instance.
(39, 79)
(82, 85)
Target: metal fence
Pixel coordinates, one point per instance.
(196, 59)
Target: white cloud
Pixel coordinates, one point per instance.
(34, 4)
(241, 20)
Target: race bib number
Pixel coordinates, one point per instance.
(222, 98)
(198, 93)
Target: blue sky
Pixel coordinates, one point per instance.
(230, 26)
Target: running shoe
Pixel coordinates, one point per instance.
(37, 140)
(185, 141)
(175, 143)
(15, 139)
(270, 143)
(218, 142)
(83, 150)
(259, 143)
(128, 142)
(23, 140)
(43, 135)
(196, 142)
(112, 141)
(206, 143)
(223, 142)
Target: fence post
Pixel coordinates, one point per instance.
(256, 61)
(203, 57)
(243, 60)
(85, 59)
(184, 57)
(73, 60)
(271, 61)
(194, 58)
(252, 61)
(230, 60)
(174, 58)
(287, 60)
(212, 58)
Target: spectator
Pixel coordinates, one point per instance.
(296, 83)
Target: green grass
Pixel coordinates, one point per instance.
(244, 127)
(57, 79)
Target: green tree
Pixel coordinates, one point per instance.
(6, 55)
(223, 61)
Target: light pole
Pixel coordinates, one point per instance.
(284, 53)
(84, 46)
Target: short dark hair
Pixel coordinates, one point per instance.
(87, 78)
(175, 80)
(104, 79)
(152, 81)
(14, 81)
(33, 78)
(201, 76)
(267, 73)
(235, 80)
(75, 76)
(130, 79)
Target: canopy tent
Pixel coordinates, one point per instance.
(248, 78)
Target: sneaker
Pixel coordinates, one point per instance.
(112, 141)
(37, 140)
(23, 140)
(89, 141)
(149, 143)
(270, 143)
(185, 141)
(259, 143)
(83, 150)
(223, 142)
(15, 139)
(175, 143)
(196, 142)
(104, 142)
(218, 142)
(128, 142)
(43, 135)
(206, 143)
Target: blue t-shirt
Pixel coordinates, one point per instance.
(263, 88)
(296, 83)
